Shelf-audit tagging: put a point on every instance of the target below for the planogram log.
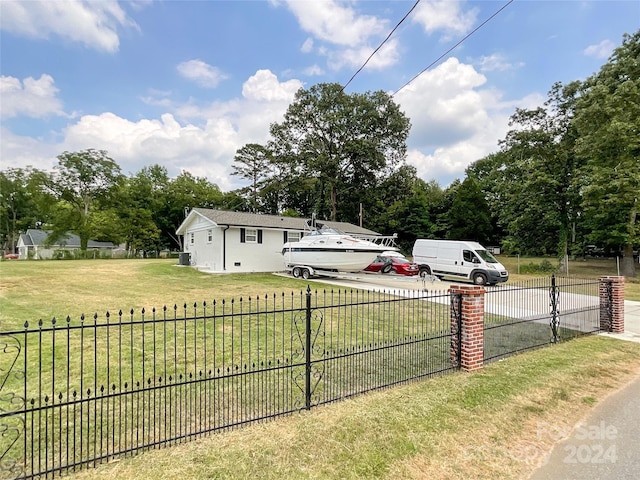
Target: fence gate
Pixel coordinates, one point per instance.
(538, 312)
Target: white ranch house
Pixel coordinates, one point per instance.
(219, 241)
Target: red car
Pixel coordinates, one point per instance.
(399, 265)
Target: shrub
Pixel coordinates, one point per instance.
(60, 254)
(544, 267)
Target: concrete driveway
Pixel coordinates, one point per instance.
(531, 303)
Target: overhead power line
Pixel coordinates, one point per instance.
(455, 46)
(383, 42)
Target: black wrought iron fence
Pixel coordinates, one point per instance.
(82, 391)
(537, 312)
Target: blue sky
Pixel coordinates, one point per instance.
(184, 84)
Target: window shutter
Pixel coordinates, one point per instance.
(285, 235)
(242, 231)
(259, 236)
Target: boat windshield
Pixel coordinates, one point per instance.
(486, 256)
(327, 231)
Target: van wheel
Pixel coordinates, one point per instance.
(296, 272)
(479, 278)
(424, 272)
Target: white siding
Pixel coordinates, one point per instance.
(240, 256)
(255, 257)
(205, 254)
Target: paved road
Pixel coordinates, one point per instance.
(605, 446)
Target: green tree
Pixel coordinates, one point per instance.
(411, 215)
(21, 202)
(253, 162)
(531, 183)
(182, 194)
(608, 122)
(139, 207)
(340, 144)
(490, 176)
(81, 182)
(469, 217)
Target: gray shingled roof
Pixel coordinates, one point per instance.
(244, 219)
(26, 240)
(37, 237)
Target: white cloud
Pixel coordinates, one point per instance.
(497, 62)
(601, 50)
(202, 140)
(200, 72)
(158, 98)
(19, 151)
(454, 121)
(446, 16)
(347, 35)
(264, 86)
(332, 22)
(355, 57)
(202, 150)
(313, 70)
(35, 98)
(443, 103)
(94, 24)
(307, 46)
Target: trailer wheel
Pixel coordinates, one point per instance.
(479, 278)
(295, 272)
(386, 268)
(424, 272)
(305, 273)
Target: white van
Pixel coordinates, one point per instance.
(458, 260)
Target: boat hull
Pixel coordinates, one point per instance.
(344, 260)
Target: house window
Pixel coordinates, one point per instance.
(293, 236)
(209, 236)
(251, 235)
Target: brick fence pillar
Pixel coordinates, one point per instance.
(470, 351)
(612, 304)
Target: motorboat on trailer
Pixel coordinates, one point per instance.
(326, 249)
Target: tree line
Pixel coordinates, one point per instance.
(567, 174)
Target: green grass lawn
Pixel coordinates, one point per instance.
(34, 290)
(590, 268)
(412, 431)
